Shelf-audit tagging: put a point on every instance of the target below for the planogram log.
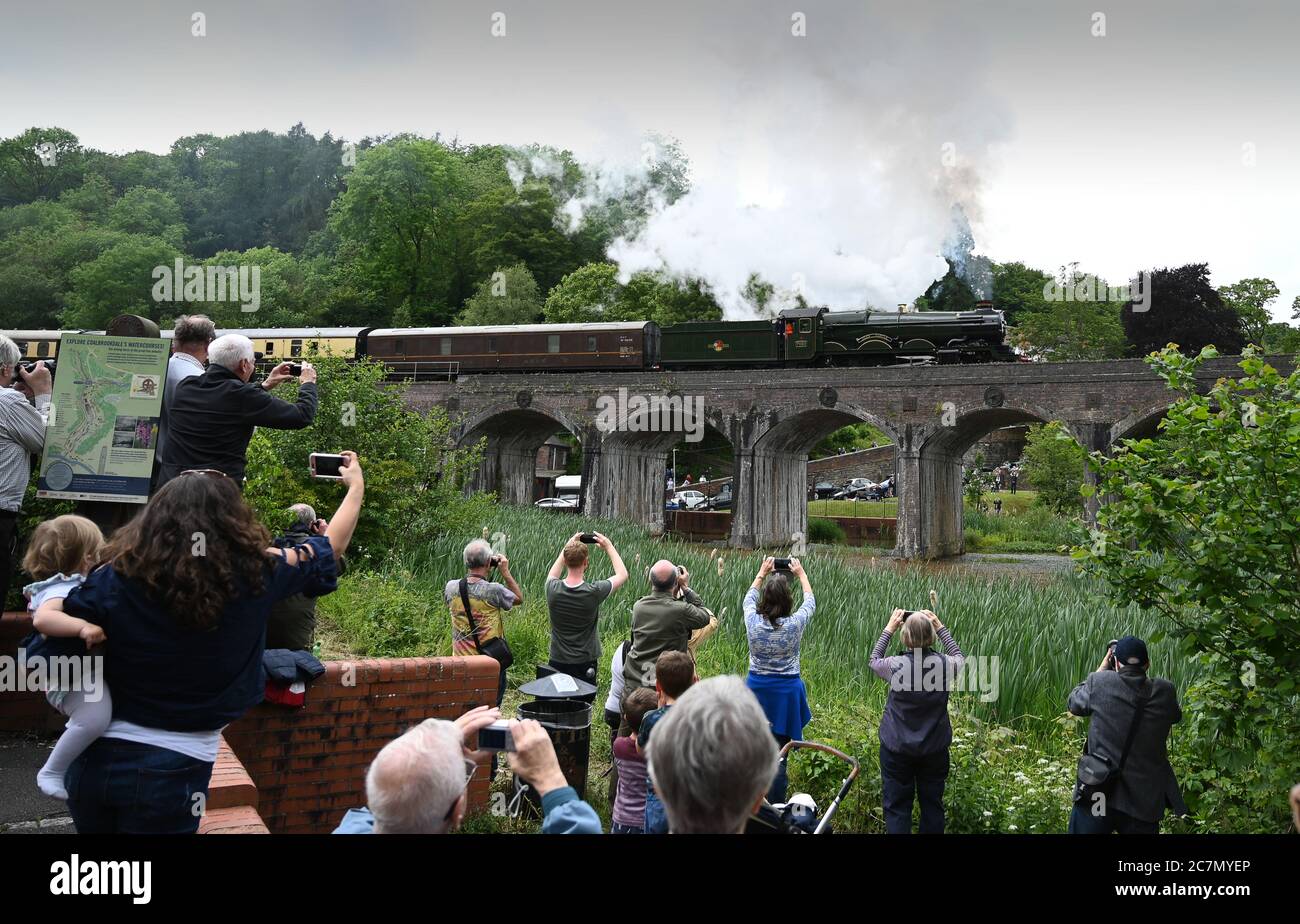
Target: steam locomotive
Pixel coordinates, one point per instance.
(801, 337)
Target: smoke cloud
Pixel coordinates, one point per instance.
(852, 157)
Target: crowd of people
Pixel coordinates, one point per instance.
(183, 600)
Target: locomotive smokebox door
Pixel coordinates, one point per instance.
(802, 334)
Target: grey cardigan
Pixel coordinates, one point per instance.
(1147, 786)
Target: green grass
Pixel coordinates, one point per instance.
(1047, 633)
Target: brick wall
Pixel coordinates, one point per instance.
(299, 770)
(309, 764)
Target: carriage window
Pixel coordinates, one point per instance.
(270, 348)
(445, 347)
(492, 344)
(43, 348)
(295, 347)
(591, 344)
(552, 343)
(805, 326)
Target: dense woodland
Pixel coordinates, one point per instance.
(423, 231)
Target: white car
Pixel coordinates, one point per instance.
(690, 500)
(569, 503)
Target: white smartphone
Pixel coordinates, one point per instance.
(326, 465)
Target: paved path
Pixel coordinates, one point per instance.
(24, 809)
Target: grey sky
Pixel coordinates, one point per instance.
(1120, 152)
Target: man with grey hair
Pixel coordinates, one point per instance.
(212, 415)
(190, 338)
(713, 758)
(478, 604)
(292, 623)
(418, 783)
(22, 434)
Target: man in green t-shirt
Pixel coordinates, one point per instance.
(574, 605)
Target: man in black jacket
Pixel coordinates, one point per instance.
(212, 415)
(1146, 785)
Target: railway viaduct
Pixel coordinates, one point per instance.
(774, 417)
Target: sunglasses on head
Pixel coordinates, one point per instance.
(204, 471)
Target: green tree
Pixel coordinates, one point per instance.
(119, 281)
(1181, 307)
(852, 438)
(41, 163)
(413, 470)
(1250, 298)
(1018, 290)
(508, 296)
(590, 293)
(1199, 525)
(1054, 463)
(150, 212)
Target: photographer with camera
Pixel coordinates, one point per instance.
(419, 782)
(574, 606)
(212, 416)
(915, 731)
(1125, 781)
(478, 605)
(22, 434)
(663, 620)
(774, 638)
(292, 624)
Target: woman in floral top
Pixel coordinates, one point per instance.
(774, 637)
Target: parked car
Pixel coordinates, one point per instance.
(855, 488)
(721, 500)
(568, 503)
(690, 500)
(824, 489)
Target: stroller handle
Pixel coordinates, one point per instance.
(824, 748)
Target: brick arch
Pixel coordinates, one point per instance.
(511, 424)
(801, 427)
(1139, 423)
(975, 421)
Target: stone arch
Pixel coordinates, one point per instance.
(1140, 424)
(770, 490)
(514, 432)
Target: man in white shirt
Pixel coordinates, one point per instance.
(190, 339)
(22, 434)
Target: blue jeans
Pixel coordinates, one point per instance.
(1082, 821)
(656, 817)
(617, 828)
(124, 787)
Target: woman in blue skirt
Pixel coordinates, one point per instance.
(774, 638)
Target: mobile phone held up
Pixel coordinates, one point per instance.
(588, 538)
(780, 564)
(496, 737)
(326, 465)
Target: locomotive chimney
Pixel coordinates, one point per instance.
(984, 305)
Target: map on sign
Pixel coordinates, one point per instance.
(103, 424)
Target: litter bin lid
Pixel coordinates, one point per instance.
(557, 686)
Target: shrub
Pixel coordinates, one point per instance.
(826, 531)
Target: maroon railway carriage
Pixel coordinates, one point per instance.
(517, 347)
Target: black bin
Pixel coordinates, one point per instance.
(568, 723)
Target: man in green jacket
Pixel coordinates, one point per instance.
(663, 620)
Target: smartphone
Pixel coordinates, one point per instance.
(326, 465)
(589, 538)
(496, 737)
(780, 564)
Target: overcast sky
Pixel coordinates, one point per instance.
(1175, 137)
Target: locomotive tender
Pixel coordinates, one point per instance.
(800, 337)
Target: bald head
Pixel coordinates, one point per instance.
(663, 575)
(415, 784)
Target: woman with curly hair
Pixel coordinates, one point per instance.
(183, 600)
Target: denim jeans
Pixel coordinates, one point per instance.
(656, 817)
(1082, 821)
(124, 787)
(617, 828)
(904, 778)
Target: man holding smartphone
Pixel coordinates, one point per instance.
(574, 606)
(212, 415)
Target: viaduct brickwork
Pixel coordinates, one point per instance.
(932, 414)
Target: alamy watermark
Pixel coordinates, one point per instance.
(634, 413)
(66, 673)
(1091, 289)
(195, 283)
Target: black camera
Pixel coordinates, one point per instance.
(780, 564)
(29, 368)
(588, 538)
(495, 560)
(295, 368)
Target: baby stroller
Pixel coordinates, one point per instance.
(799, 814)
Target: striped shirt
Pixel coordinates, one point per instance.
(22, 433)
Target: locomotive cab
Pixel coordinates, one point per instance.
(801, 334)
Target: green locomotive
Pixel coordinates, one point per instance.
(819, 337)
